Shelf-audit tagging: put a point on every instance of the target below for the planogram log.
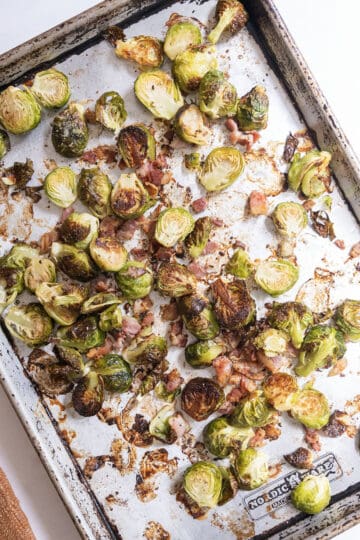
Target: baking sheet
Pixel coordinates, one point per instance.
(91, 73)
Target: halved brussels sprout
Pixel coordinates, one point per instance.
(234, 307)
(252, 411)
(272, 342)
(196, 241)
(73, 360)
(293, 317)
(79, 229)
(190, 125)
(221, 168)
(11, 284)
(115, 372)
(203, 483)
(94, 190)
(19, 111)
(312, 495)
(149, 350)
(61, 186)
(228, 490)
(99, 302)
(51, 88)
(192, 161)
(173, 225)
(39, 270)
(162, 393)
(311, 408)
(129, 198)
(240, 264)
(230, 15)
(135, 280)
(110, 111)
(69, 131)
(289, 218)
(50, 375)
(30, 323)
(276, 276)
(347, 319)
(220, 438)
(202, 353)
(201, 397)
(4, 143)
(251, 468)
(322, 345)
(88, 395)
(280, 390)
(180, 36)
(217, 96)
(74, 262)
(252, 110)
(198, 316)
(19, 256)
(108, 253)
(175, 280)
(161, 428)
(158, 92)
(136, 143)
(191, 65)
(83, 335)
(146, 51)
(62, 301)
(310, 173)
(110, 318)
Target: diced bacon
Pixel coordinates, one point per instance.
(178, 423)
(127, 230)
(98, 352)
(176, 336)
(217, 222)
(109, 226)
(239, 137)
(152, 171)
(199, 205)
(273, 363)
(173, 380)
(235, 395)
(312, 439)
(211, 247)
(66, 213)
(258, 205)
(197, 270)
(169, 312)
(164, 254)
(340, 243)
(139, 254)
(223, 368)
(130, 326)
(231, 125)
(148, 320)
(103, 152)
(258, 439)
(103, 284)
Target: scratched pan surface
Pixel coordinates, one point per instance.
(96, 471)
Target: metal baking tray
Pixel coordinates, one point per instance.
(106, 506)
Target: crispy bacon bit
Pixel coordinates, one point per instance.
(103, 152)
(322, 225)
(273, 363)
(178, 423)
(98, 352)
(47, 239)
(217, 222)
(338, 367)
(211, 247)
(309, 204)
(152, 190)
(172, 380)
(90, 116)
(312, 439)
(103, 284)
(153, 171)
(239, 137)
(223, 368)
(274, 470)
(148, 320)
(226, 408)
(257, 204)
(258, 439)
(197, 270)
(127, 230)
(272, 432)
(130, 326)
(164, 254)
(66, 213)
(235, 395)
(139, 254)
(301, 458)
(291, 145)
(109, 226)
(199, 205)
(355, 251)
(335, 428)
(169, 312)
(340, 244)
(142, 305)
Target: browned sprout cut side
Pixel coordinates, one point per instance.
(201, 397)
(230, 15)
(129, 198)
(234, 307)
(174, 279)
(136, 143)
(146, 51)
(88, 395)
(110, 111)
(190, 125)
(172, 226)
(191, 65)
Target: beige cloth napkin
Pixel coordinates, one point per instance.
(14, 524)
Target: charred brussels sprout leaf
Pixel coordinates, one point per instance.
(110, 111)
(11, 284)
(62, 301)
(190, 125)
(175, 280)
(74, 262)
(234, 307)
(146, 51)
(110, 318)
(70, 132)
(135, 280)
(51, 88)
(149, 350)
(94, 190)
(192, 161)
(290, 219)
(61, 186)
(221, 168)
(322, 345)
(51, 376)
(19, 111)
(157, 91)
(251, 468)
(83, 335)
(276, 276)
(39, 271)
(129, 198)
(179, 37)
(115, 372)
(19, 256)
(201, 397)
(293, 317)
(310, 173)
(203, 483)
(73, 360)
(220, 438)
(172, 226)
(4, 143)
(311, 408)
(217, 96)
(161, 428)
(29, 323)
(301, 458)
(347, 319)
(196, 241)
(79, 229)
(312, 495)
(240, 264)
(252, 411)
(280, 390)
(252, 110)
(191, 65)
(99, 302)
(198, 316)
(136, 143)
(88, 395)
(230, 15)
(202, 353)
(108, 253)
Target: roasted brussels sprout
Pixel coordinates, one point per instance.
(252, 411)
(146, 51)
(39, 270)
(73, 360)
(217, 96)
(180, 36)
(136, 143)
(240, 264)
(347, 319)
(129, 198)
(220, 438)
(201, 397)
(311, 408)
(203, 483)
(252, 110)
(191, 65)
(322, 345)
(61, 186)
(94, 190)
(289, 218)
(198, 316)
(69, 131)
(108, 253)
(50, 375)
(135, 280)
(11, 284)
(79, 229)
(19, 111)
(162, 393)
(114, 371)
(202, 353)
(271, 342)
(74, 262)
(192, 161)
(221, 168)
(173, 225)
(310, 173)
(251, 468)
(149, 350)
(88, 395)
(276, 276)
(100, 301)
(230, 15)
(4, 143)
(312, 495)
(190, 125)
(158, 92)
(62, 301)
(280, 390)
(293, 317)
(174, 279)
(51, 88)
(110, 318)
(234, 307)
(83, 335)
(161, 428)
(19, 256)
(196, 241)
(110, 111)
(29, 323)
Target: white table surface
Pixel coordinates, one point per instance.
(327, 32)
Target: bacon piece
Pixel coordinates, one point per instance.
(130, 326)
(98, 352)
(340, 244)
(197, 270)
(47, 239)
(239, 137)
(164, 254)
(178, 423)
(65, 214)
(211, 247)
(272, 432)
(102, 152)
(153, 171)
(312, 439)
(148, 320)
(235, 395)
(223, 368)
(169, 312)
(172, 380)
(176, 336)
(127, 230)
(217, 222)
(258, 439)
(257, 203)
(273, 363)
(355, 251)
(139, 254)
(199, 205)
(109, 226)
(103, 284)
(142, 305)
